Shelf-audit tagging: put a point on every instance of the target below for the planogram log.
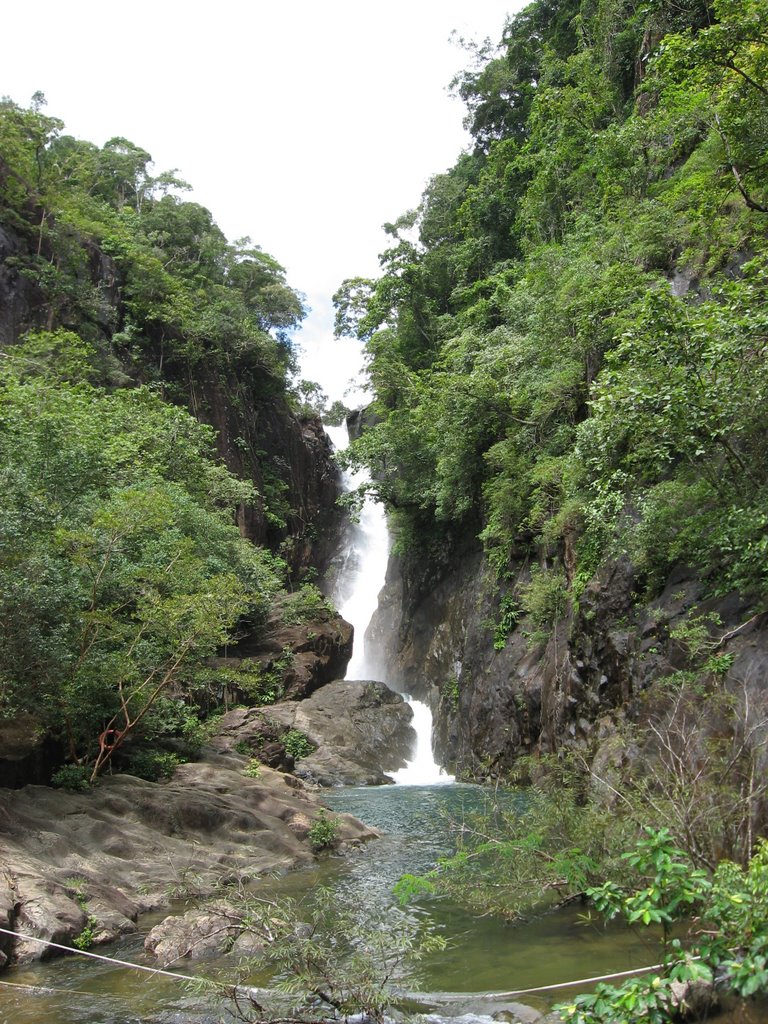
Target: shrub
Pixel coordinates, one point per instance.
(304, 605)
(153, 765)
(297, 744)
(72, 776)
(324, 832)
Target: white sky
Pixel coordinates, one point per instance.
(304, 125)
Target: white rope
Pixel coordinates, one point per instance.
(251, 989)
(123, 963)
(581, 981)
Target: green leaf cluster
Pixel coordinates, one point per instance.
(728, 942)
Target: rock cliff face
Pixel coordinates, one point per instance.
(570, 690)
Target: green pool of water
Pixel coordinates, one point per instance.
(483, 955)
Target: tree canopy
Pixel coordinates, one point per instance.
(567, 338)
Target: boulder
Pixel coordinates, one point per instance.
(318, 649)
(359, 731)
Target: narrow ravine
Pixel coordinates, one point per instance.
(417, 819)
(365, 566)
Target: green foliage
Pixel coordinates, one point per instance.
(76, 777)
(729, 940)
(336, 413)
(187, 295)
(673, 887)
(520, 858)
(296, 743)
(695, 633)
(87, 936)
(450, 692)
(328, 958)
(509, 616)
(121, 571)
(253, 768)
(249, 681)
(152, 765)
(305, 605)
(545, 598)
(324, 832)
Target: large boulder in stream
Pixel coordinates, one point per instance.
(99, 859)
(359, 731)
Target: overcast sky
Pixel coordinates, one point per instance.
(305, 125)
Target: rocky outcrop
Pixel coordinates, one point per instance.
(494, 702)
(290, 461)
(359, 732)
(99, 859)
(300, 657)
(21, 300)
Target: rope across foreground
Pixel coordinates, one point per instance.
(253, 990)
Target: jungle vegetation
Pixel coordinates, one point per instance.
(567, 341)
(122, 569)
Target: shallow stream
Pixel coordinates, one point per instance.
(484, 955)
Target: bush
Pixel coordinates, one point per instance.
(324, 832)
(153, 765)
(546, 596)
(297, 744)
(76, 777)
(304, 606)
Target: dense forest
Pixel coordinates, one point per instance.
(157, 484)
(567, 341)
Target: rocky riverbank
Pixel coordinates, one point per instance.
(91, 863)
(97, 860)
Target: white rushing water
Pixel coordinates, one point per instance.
(365, 564)
(362, 577)
(423, 770)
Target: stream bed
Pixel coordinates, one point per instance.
(484, 955)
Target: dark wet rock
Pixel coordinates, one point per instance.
(576, 687)
(359, 731)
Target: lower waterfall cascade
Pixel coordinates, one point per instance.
(361, 579)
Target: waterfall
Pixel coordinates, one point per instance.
(361, 578)
(364, 565)
(423, 770)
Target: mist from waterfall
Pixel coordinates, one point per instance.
(361, 578)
